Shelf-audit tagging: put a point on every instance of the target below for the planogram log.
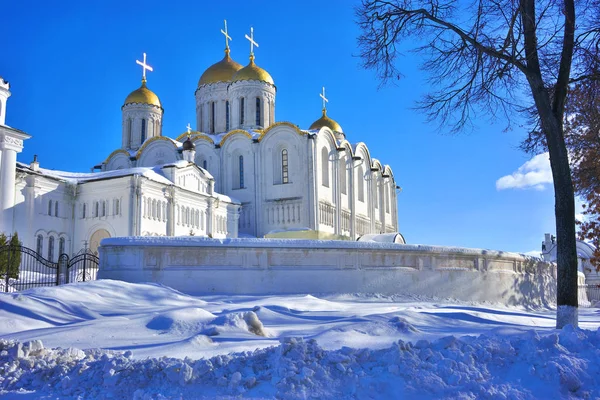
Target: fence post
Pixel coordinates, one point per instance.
(84, 263)
(7, 264)
(62, 270)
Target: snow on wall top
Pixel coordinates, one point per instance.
(195, 241)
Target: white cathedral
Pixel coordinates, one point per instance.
(240, 174)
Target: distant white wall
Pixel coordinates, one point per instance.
(245, 266)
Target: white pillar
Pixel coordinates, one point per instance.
(11, 143)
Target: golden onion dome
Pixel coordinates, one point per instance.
(253, 72)
(143, 95)
(326, 121)
(222, 71)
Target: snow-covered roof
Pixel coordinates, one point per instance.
(154, 174)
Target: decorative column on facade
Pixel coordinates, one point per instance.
(210, 217)
(169, 194)
(11, 143)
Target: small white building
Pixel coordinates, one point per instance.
(239, 173)
(585, 252)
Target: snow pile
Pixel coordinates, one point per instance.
(529, 366)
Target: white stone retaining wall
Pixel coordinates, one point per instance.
(258, 266)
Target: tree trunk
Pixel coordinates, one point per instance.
(564, 207)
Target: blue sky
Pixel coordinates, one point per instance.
(71, 64)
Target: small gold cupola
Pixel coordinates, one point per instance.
(143, 95)
(253, 72)
(325, 120)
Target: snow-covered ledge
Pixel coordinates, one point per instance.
(251, 266)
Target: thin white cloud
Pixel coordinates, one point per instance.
(535, 173)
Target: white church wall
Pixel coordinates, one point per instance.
(157, 151)
(361, 181)
(283, 194)
(107, 208)
(118, 160)
(327, 167)
(242, 266)
(46, 211)
(205, 151)
(236, 146)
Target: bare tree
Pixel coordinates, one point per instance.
(497, 57)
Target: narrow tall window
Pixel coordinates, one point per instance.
(284, 166)
(97, 210)
(205, 165)
(61, 246)
(227, 116)
(387, 199)
(51, 248)
(360, 184)
(129, 133)
(104, 208)
(242, 111)
(258, 112)
(241, 161)
(325, 167)
(117, 207)
(83, 211)
(50, 207)
(39, 244)
(143, 130)
(212, 117)
(56, 209)
(343, 175)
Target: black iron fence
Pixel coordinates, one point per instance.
(23, 268)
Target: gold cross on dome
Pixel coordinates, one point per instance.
(325, 100)
(251, 39)
(144, 67)
(189, 128)
(227, 37)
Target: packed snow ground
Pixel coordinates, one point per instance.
(110, 339)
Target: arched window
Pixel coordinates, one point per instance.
(205, 165)
(227, 116)
(212, 117)
(343, 175)
(50, 207)
(117, 209)
(39, 244)
(83, 210)
(56, 209)
(61, 246)
(143, 130)
(242, 111)
(51, 248)
(284, 166)
(360, 184)
(97, 209)
(258, 122)
(241, 171)
(324, 167)
(104, 208)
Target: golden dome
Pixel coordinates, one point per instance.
(143, 95)
(253, 72)
(222, 71)
(326, 121)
